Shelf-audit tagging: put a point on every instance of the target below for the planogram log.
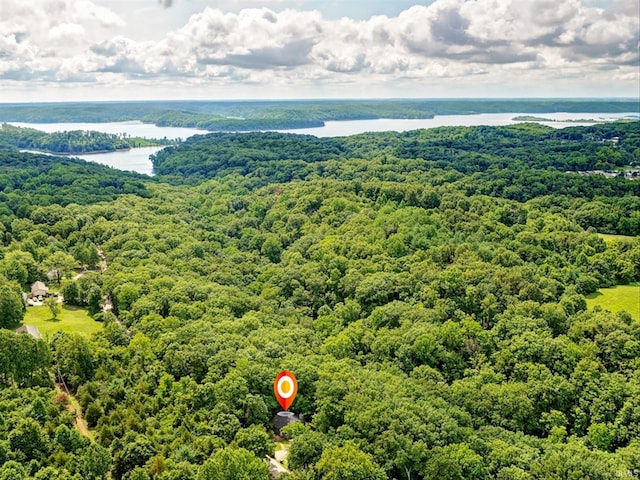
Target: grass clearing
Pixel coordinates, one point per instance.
(70, 319)
(615, 238)
(614, 299)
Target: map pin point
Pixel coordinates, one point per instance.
(285, 388)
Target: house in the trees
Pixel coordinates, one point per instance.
(282, 419)
(39, 289)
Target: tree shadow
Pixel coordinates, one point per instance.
(53, 320)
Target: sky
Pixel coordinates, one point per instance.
(62, 50)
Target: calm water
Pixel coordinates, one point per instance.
(137, 159)
(353, 127)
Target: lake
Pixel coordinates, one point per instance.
(353, 127)
(137, 159)
(134, 160)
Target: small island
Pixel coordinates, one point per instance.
(533, 118)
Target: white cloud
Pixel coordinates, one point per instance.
(66, 30)
(473, 41)
(34, 19)
(37, 38)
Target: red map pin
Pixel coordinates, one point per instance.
(285, 387)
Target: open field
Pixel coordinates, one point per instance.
(70, 319)
(622, 297)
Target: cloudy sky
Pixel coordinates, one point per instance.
(217, 49)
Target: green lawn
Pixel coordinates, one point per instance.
(612, 238)
(622, 297)
(70, 319)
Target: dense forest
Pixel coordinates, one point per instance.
(71, 142)
(519, 162)
(282, 114)
(426, 288)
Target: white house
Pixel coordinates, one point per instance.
(39, 289)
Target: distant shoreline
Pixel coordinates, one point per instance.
(250, 115)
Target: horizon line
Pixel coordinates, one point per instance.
(329, 99)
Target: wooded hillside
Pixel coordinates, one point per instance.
(426, 288)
